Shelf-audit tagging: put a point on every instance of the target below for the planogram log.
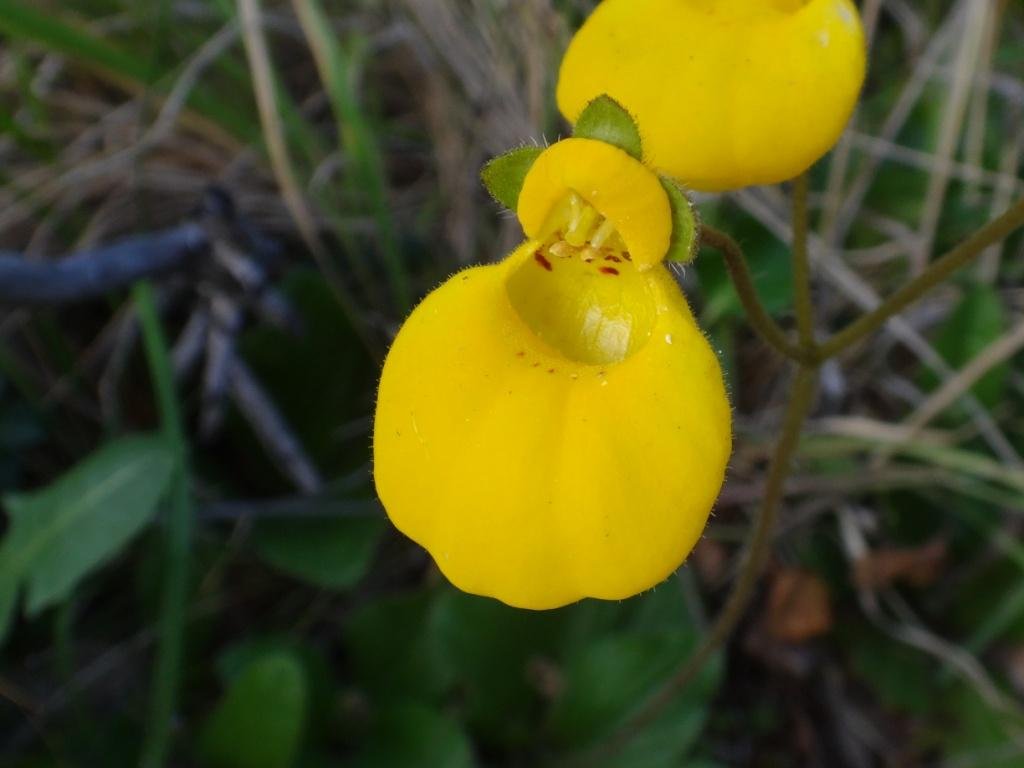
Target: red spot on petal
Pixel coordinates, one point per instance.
(608, 271)
(551, 370)
(520, 354)
(540, 259)
(616, 259)
(627, 257)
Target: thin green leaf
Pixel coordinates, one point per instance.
(685, 224)
(61, 533)
(357, 137)
(604, 119)
(504, 175)
(22, 22)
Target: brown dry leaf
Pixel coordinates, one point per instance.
(799, 608)
(916, 566)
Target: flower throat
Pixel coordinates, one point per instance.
(580, 292)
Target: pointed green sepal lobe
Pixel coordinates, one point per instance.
(606, 120)
(685, 224)
(504, 175)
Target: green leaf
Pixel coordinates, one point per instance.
(973, 728)
(604, 119)
(392, 653)
(332, 554)
(23, 22)
(414, 735)
(260, 721)
(605, 683)
(321, 685)
(489, 647)
(504, 175)
(978, 320)
(61, 533)
(903, 678)
(685, 224)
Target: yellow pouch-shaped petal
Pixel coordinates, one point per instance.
(532, 473)
(621, 189)
(727, 93)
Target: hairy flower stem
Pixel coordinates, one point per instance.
(758, 316)
(802, 266)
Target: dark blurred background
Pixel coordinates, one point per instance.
(332, 148)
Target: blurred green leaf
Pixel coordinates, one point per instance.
(25, 22)
(333, 554)
(60, 533)
(260, 721)
(316, 670)
(977, 732)
(770, 268)
(903, 679)
(393, 654)
(414, 735)
(605, 684)
(978, 320)
(490, 647)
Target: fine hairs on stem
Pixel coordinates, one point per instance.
(808, 355)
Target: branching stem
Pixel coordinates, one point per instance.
(940, 269)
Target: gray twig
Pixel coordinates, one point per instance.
(93, 273)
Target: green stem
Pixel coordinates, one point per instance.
(801, 265)
(758, 549)
(990, 234)
(166, 680)
(758, 316)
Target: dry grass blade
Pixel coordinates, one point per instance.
(255, 40)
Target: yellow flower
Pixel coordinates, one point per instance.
(728, 93)
(555, 426)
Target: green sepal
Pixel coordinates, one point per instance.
(504, 175)
(685, 224)
(606, 120)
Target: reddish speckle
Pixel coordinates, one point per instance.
(540, 259)
(608, 271)
(616, 259)
(551, 370)
(520, 354)
(536, 365)
(627, 257)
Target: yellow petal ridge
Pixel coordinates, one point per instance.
(727, 93)
(620, 188)
(536, 478)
